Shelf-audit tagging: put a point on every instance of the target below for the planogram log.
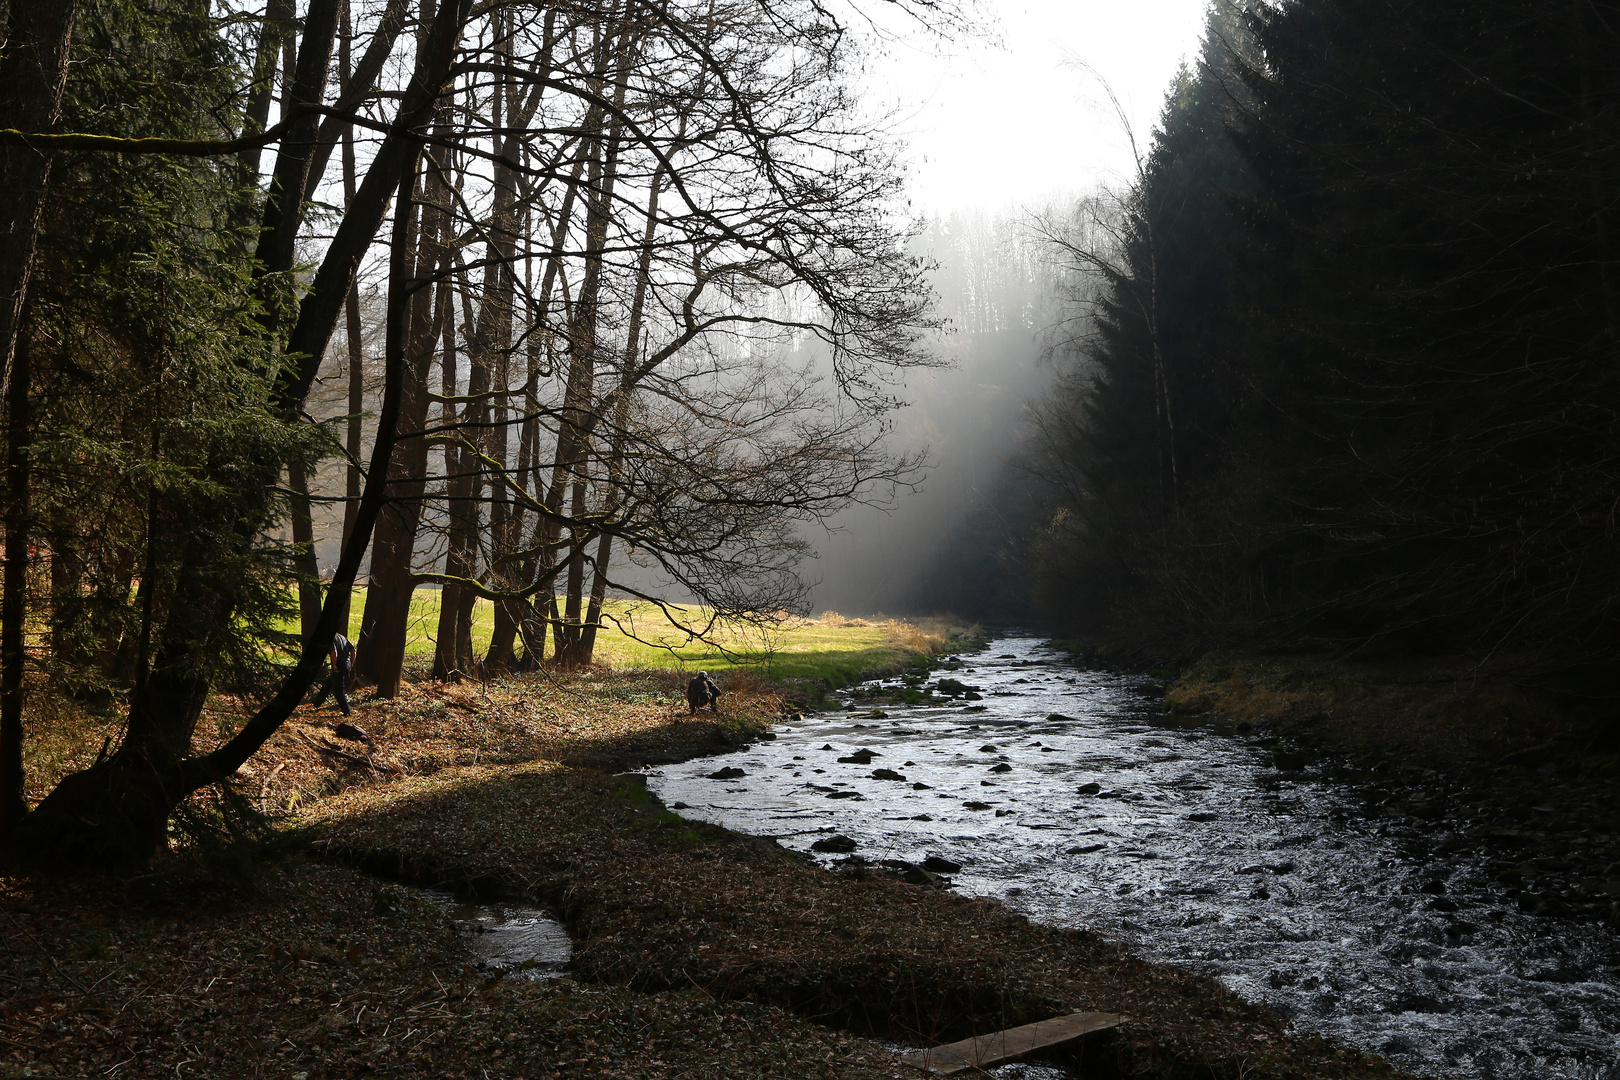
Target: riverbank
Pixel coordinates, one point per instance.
(1478, 760)
(699, 952)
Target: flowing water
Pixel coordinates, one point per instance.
(1068, 794)
(510, 936)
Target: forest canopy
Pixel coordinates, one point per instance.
(1349, 379)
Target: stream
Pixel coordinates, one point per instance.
(1069, 795)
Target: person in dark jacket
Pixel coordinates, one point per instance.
(703, 691)
(342, 667)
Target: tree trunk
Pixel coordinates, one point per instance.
(462, 477)
(284, 205)
(117, 811)
(283, 216)
(357, 82)
(621, 421)
(14, 602)
(573, 437)
(33, 72)
(305, 564)
(520, 617)
(276, 27)
(593, 615)
(385, 624)
(352, 330)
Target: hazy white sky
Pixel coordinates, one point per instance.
(993, 125)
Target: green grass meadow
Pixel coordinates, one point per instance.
(636, 634)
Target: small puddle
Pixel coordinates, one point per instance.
(509, 935)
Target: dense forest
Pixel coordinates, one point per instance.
(1348, 379)
(502, 295)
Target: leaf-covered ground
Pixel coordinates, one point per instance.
(318, 972)
(699, 953)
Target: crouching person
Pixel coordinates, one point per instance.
(703, 691)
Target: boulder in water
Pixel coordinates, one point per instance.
(1290, 760)
(727, 773)
(886, 774)
(1089, 789)
(941, 866)
(837, 844)
(916, 875)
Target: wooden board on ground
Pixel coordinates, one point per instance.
(1000, 1047)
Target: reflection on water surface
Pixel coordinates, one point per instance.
(511, 936)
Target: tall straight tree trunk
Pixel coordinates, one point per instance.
(621, 422)
(304, 560)
(463, 483)
(276, 28)
(507, 225)
(573, 437)
(33, 73)
(385, 625)
(14, 601)
(278, 237)
(353, 333)
(284, 204)
(523, 617)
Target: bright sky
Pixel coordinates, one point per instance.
(1017, 123)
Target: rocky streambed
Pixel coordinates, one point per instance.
(1376, 905)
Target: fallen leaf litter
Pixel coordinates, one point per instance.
(700, 953)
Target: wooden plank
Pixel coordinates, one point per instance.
(1000, 1047)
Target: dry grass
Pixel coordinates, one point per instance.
(1438, 713)
(659, 904)
(319, 972)
(700, 953)
(515, 718)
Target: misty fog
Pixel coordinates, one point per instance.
(939, 547)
